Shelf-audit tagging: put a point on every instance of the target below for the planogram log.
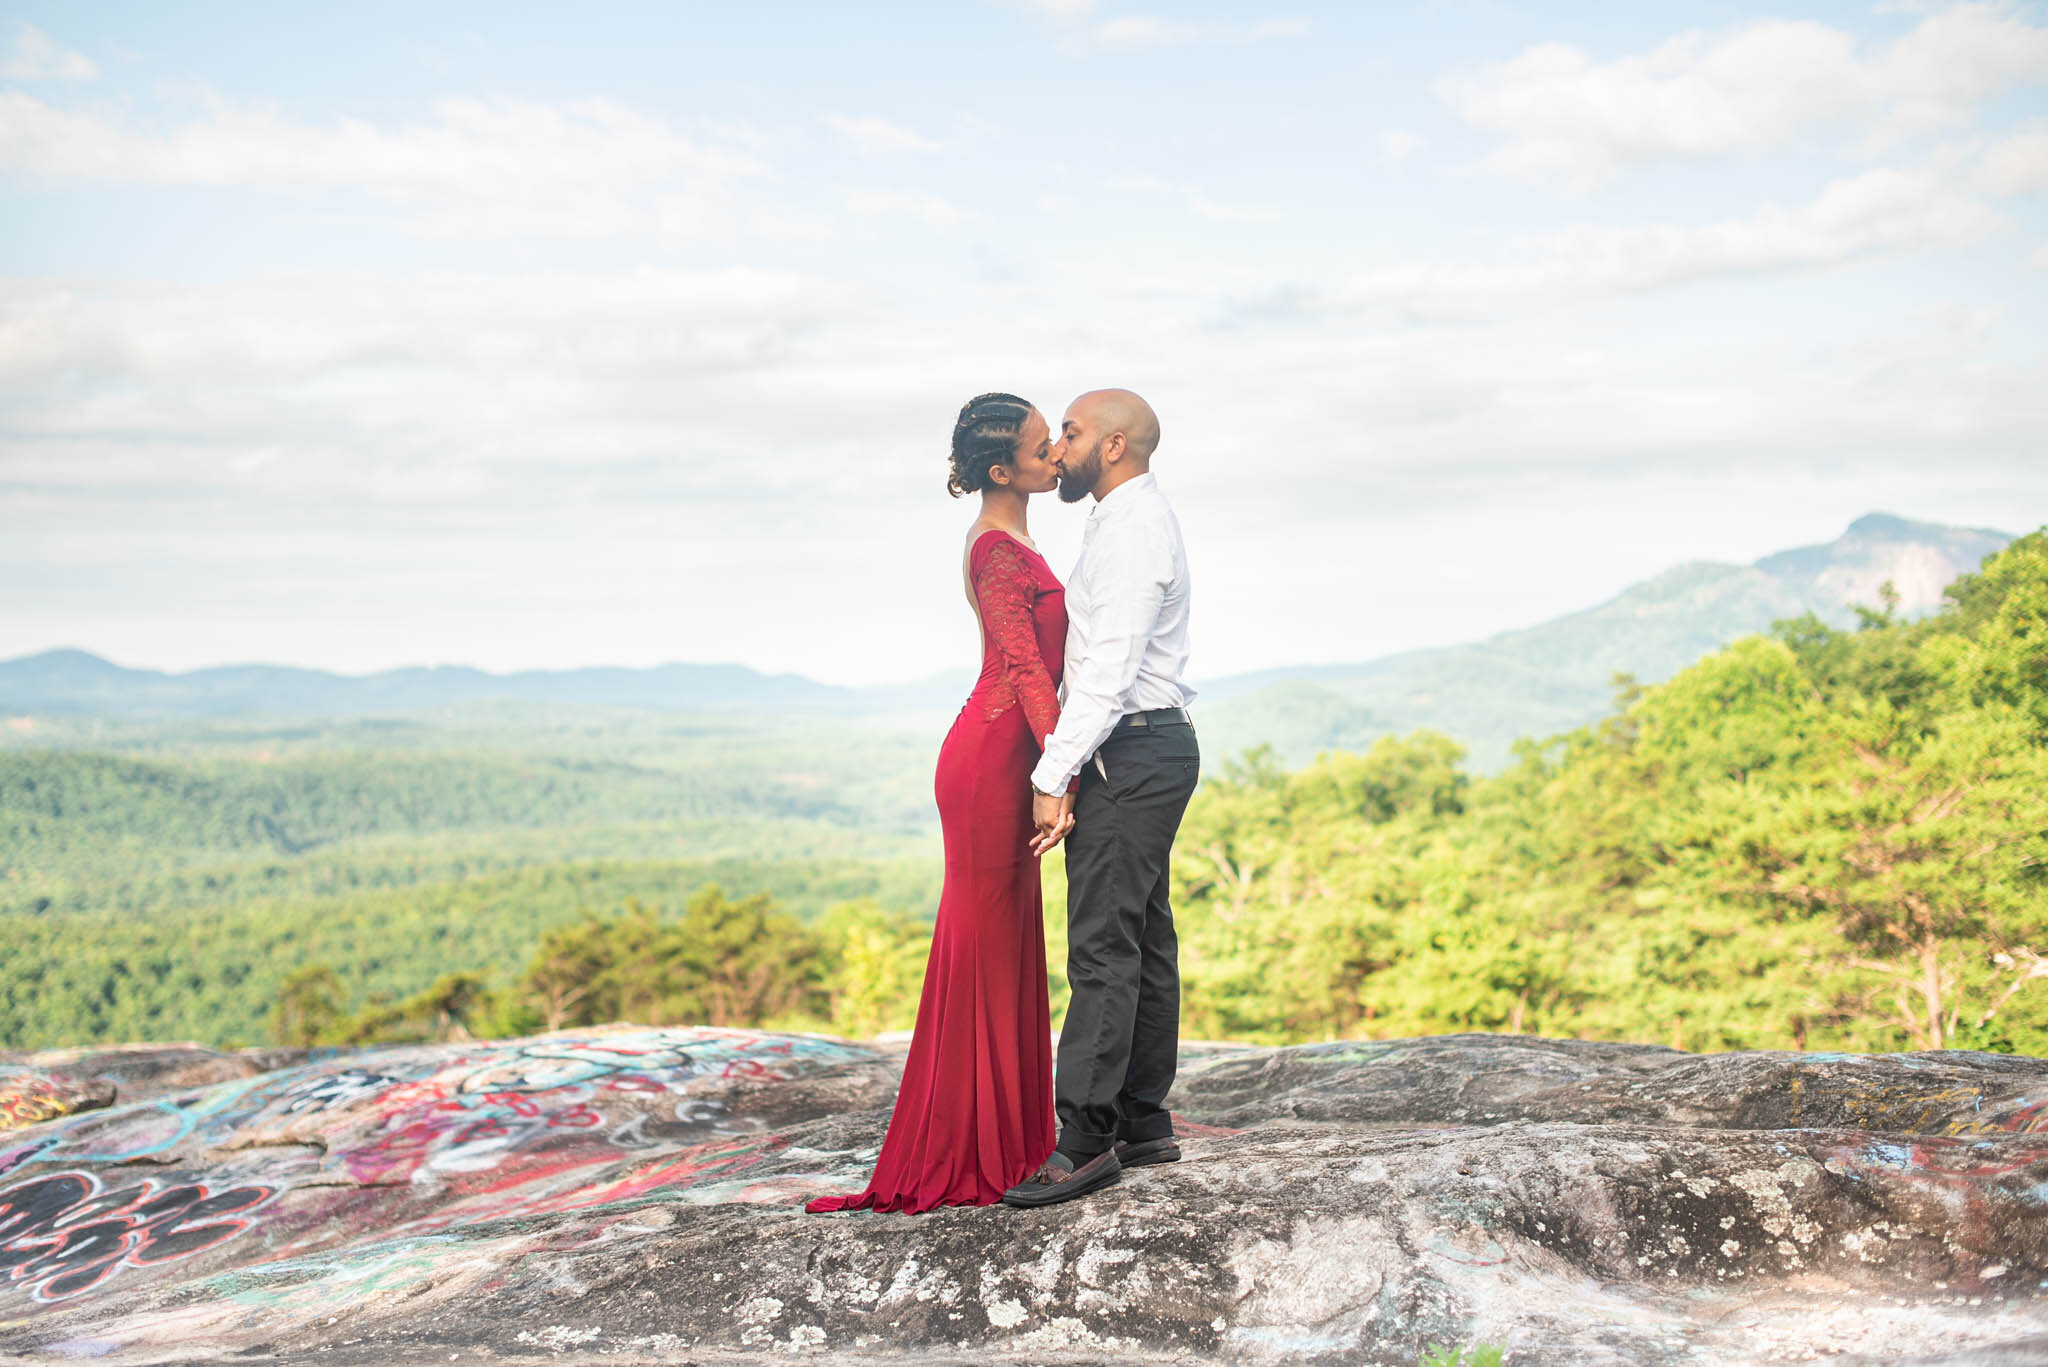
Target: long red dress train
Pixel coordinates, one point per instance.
(975, 1115)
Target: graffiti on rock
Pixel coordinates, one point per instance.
(345, 1277)
(411, 1098)
(30, 1104)
(1883, 1106)
(435, 1138)
(1973, 1184)
(530, 1192)
(1905, 1107)
(63, 1234)
(10, 1159)
(1937, 1157)
(142, 1129)
(2026, 1116)
(528, 1101)
(323, 1090)
(30, 1097)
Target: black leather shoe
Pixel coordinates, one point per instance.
(1059, 1180)
(1146, 1152)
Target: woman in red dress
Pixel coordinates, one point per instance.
(974, 1116)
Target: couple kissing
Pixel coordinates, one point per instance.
(1077, 731)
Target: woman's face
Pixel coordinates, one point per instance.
(1031, 470)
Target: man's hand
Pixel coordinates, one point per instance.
(1053, 817)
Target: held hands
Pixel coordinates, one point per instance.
(1054, 817)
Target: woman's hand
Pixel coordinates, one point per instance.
(1053, 817)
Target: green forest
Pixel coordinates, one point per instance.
(1811, 839)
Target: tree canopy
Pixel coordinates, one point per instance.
(1815, 838)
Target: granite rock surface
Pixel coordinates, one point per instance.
(633, 1195)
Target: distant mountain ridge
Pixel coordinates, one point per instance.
(1535, 681)
(76, 682)
(1541, 680)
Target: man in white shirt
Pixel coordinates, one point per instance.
(1124, 731)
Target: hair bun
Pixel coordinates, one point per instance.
(984, 435)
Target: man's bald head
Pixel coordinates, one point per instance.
(1119, 410)
(1107, 438)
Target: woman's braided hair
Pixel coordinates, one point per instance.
(985, 434)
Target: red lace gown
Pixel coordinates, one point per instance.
(975, 1116)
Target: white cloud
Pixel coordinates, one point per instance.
(343, 384)
(1216, 212)
(554, 329)
(36, 57)
(1130, 31)
(586, 166)
(554, 468)
(547, 483)
(933, 211)
(1065, 10)
(1561, 111)
(1878, 211)
(2039, 260)
(1198, 203)
(1397, 145)
(547, 470)
(1142, 30)
(2016, 165)
(874, 134)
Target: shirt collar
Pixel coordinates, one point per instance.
(1127, 492)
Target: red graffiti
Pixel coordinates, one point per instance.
(436, 1134)
(403, 1148)
(490, 1127)
(686, 1168)
(1960, 1158)
(413, 1093)
(63, 1235)
(1188, 1129)
(636, 1082)
(1962, 1175)
(2025, 1120)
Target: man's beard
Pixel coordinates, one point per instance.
(1078, 478)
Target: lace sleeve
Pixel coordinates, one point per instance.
(1004, 590)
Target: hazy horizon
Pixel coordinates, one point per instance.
(963, 667)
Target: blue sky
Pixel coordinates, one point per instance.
(538, 336)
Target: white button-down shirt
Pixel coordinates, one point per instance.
(1127, 626)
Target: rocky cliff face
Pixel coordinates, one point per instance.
(632, 1195)
(1918, 559)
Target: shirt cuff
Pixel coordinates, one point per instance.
(1049, 780)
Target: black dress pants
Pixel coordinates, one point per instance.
(1121, 1039)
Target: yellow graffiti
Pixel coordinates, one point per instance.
(18, 1112)
(1910, 1109)
(2021, 1124)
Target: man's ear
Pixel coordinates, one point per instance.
(1113, 448)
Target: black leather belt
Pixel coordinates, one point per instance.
(1158, 716)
